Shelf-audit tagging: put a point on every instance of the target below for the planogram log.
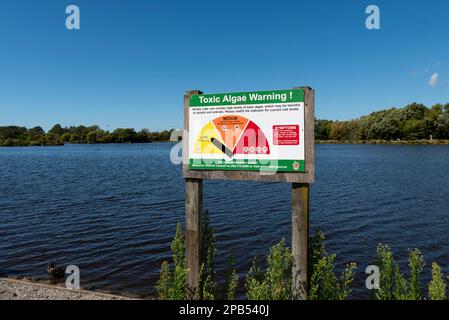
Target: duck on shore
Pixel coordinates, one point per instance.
(55, 271)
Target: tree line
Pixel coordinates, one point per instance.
(413, 122)
(58, 135)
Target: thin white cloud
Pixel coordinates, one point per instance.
(434, 79)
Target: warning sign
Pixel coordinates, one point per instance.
(247, 131)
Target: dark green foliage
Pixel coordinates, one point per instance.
(324, 284)
(207, 285)
(172, 281)
(416, 266)
(276, 282)
(437, 286)
(57, 129)
(232, 279)
(393, 284)
(20, 136)
(389, 275)
(413, 122)
(323, 129)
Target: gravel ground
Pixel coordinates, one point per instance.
(11, 289)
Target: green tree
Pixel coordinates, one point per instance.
(125, 135)
(66, 136)
(322, 129)
(36, 133)
(57, 130)
(52, 139)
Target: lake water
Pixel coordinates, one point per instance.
(112, 210)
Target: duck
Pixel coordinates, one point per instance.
(55, 271)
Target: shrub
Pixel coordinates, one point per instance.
(276, 282)
(232, 279)
(416, 265)
(393, 284)
(324, 284)
(437, 286)
(172, 284)
(206, 284)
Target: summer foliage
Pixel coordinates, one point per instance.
(172, 282)
(393, 283)
(274, 282)
(412, 122)
(395, 286)
(171, 285)
(20, 136)
(324, 284)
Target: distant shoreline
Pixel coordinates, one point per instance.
(385, 142)
(15, 136)
(336, 142)
(92, 144)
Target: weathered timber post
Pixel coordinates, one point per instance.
(194, 209)
(300, 238)
(300, 203)
(193, 212)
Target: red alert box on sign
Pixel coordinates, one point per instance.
(286, 135)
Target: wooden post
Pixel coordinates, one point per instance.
(193, 212)
(300, 238)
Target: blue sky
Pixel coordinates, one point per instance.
(132, 61)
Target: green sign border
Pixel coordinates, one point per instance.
(247, 165)
(247, 98)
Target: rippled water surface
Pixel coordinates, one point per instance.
(112, 210)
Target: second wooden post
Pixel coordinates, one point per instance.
(300, 238)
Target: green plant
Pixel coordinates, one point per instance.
(393, 284)
(232, 279)
(324, 284)
(164, 285)
(416, 265)
(206, 283)
(276, 282)
(437, 286)
(172, 284)
(255, 289)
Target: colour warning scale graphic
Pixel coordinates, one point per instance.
(231, 135)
